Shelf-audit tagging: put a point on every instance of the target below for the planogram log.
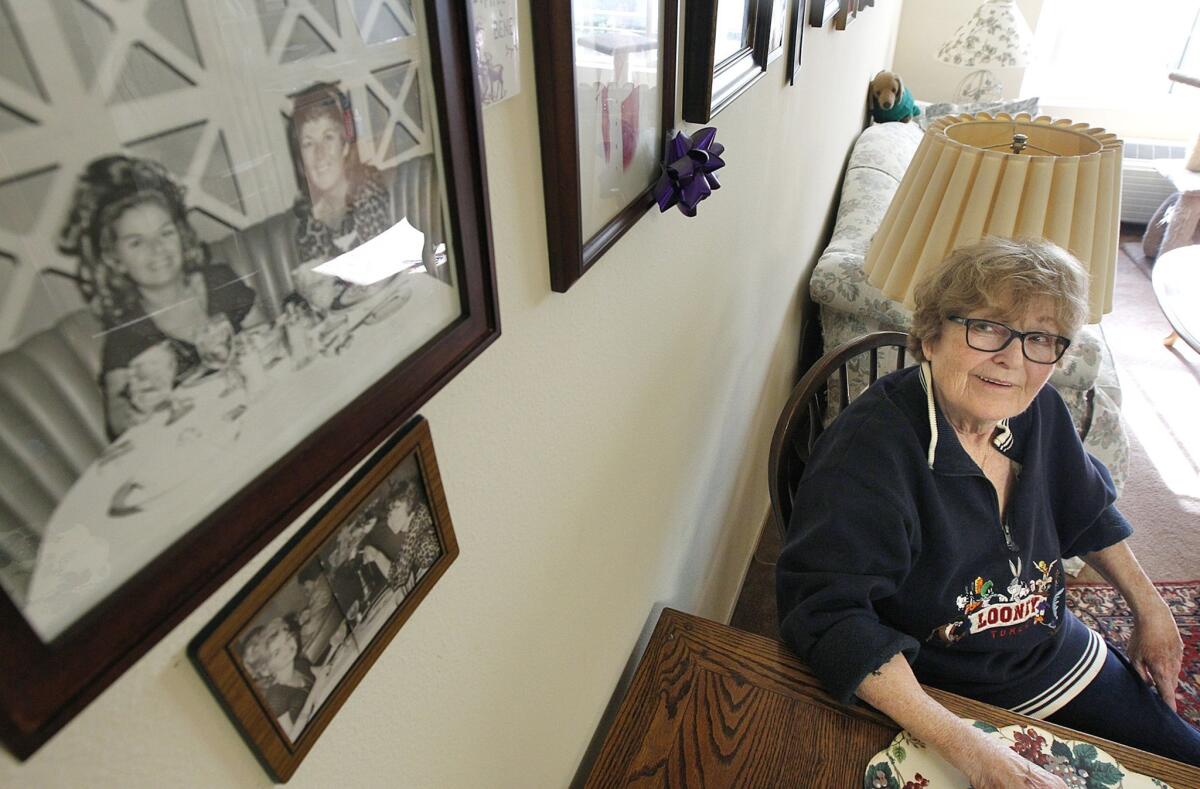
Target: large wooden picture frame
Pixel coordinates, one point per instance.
(718, 64)
(606, 102)
(195, 154)
(285, 655)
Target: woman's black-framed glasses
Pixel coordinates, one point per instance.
(1038, 346)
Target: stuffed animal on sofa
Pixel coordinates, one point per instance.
(889, 100)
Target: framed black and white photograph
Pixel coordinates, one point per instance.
(796, 50)
(239, 244)
(848, 12)
(822, 11)
(726, 45)
(606, 102)
(288, 651)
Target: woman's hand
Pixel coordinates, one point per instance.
(1157, 650)
(995, 766)
(986, 760)
(319, 290)
(214, 342)
(151, 378)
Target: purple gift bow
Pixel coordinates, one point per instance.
(689, 175)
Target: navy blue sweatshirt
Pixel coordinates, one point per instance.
(896, 546)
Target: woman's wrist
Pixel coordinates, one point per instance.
(1145, 606)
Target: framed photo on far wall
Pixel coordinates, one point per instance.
(259, 242)
(778, 29)
(796, 51)
(606, 102)
(726, 46)
(821, 11)
(289, 650)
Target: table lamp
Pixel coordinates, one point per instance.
(995, 35)
(1014, 177)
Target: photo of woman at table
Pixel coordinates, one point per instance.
(272, 655)
(146, 276)
(409, 518)
(343, 202)
(322, 626)
(360, 569)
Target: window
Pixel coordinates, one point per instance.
(1116, 55)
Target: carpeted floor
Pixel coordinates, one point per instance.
(1161, 393)
(1102, 609)
(1160, 389)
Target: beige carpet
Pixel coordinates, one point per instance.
(1161, 408)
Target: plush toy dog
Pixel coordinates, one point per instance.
(889, 100)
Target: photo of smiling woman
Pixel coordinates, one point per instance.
(146, 276)
(297, 649)
(343, 202)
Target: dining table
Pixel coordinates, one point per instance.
(1176, 281)
(713, 706)
(220, 430)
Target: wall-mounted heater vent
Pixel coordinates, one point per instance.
(1142, 188)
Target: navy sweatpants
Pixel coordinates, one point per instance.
(1119, 706)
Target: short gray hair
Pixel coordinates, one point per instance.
(1004, 274)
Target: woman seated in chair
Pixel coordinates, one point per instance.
(928, 530)
(146, 275)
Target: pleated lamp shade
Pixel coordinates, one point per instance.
(965, 182)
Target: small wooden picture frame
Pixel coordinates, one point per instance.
(287, 652)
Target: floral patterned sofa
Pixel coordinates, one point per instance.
(851, 307)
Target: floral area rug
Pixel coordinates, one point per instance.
(1104, 610)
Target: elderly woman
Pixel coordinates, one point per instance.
(147, 277)
(930, 524)
(342, 203)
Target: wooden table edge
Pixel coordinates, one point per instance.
(673, 623)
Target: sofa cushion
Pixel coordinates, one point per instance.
(932, 112)
(877, 163)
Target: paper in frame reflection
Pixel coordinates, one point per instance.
(285, 654)
(147, 517)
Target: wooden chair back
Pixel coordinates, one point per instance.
(857, 364)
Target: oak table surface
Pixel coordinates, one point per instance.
(710, 705)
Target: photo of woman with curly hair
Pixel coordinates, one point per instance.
(146, 276)
(272, 655)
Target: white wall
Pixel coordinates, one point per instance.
(924, 26)
(606, 455)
